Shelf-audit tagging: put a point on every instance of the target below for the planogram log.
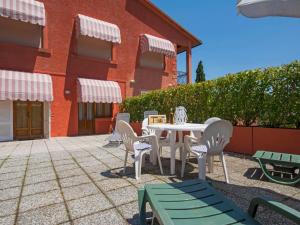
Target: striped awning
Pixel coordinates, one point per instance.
(95, 28)
(150, 43)
(30, 11)
(23, 86)
(90, 90)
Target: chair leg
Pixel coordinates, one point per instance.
(222, 158)
(137, 164)
(183, 162)
(160, 165)
(202, 166)
(210, 160)
(125, 161)
(142, 206)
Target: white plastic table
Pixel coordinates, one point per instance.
(173, 129)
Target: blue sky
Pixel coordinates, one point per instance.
(232, 42)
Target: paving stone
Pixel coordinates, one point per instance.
(11, 176)
(12, 169)
(123, 195)
(112, 183)
(79, 191)
(72, 181)
(106, 217)
(40, 187)
(97, 168)
(113, 162)
(39, 178)
(144, 178)
(7, 220)
(140, 185)
(39, 200)
(8, 207)
(63, 162)
(9, 193)
(87, 205)
(70, 173)
(48, 215)
(40, 165)
(100, 176)
(36, 171)
(17, 182)
(66, 167)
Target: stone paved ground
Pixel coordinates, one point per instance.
(79, 180)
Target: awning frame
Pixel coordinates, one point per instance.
(15, 85)
(30, 11)
(150, 43)
(95, 28)
(98, 91)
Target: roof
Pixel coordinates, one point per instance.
(194, 40)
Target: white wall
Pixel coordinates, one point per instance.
(6, 120)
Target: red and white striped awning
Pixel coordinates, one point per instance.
(150, 43)
(95, 28)
(23, 86)
(30, 11)
(90, 90)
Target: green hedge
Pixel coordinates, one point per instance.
(266, 97)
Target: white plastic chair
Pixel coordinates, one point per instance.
(115, 136)
(135, 144)
(211, 120)
(212, 142)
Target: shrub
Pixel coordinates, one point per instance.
(267, 97)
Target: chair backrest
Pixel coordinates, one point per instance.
(216, 136)
(211, 120)
(127, 134)
(150, 112)
(145, 124)
(180, 115)
(123, 116)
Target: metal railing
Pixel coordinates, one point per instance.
(181, 77)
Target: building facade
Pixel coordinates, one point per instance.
(65, 65)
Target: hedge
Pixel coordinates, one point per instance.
(265, 97)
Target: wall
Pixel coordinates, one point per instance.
(57, 58)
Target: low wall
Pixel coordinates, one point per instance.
(247, 140)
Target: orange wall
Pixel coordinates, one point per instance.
(58, 58)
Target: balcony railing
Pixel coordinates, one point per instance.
(181, 77)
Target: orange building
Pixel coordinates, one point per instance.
(65, 65)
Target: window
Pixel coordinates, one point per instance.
(152, 60)
(103, 110)
(18, 32)
(92, 47)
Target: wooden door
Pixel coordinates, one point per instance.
(86, 115)
(28, 120)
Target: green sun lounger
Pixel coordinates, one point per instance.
(196, 202)
(285, 167)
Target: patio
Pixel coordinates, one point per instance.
(79, 180)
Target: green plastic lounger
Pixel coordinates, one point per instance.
(286, 167)
(196, 202)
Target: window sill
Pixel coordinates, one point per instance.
(41, 51)
(104, 61)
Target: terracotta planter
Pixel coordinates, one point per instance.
(276, 139)
(137, 127)
(241, 141)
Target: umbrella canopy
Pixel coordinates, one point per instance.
(263, 8)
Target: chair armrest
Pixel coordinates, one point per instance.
(278, 207)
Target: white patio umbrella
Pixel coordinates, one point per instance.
(263, 8)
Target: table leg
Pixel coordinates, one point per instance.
(173, 151)
(180, 141)
(153, 154)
